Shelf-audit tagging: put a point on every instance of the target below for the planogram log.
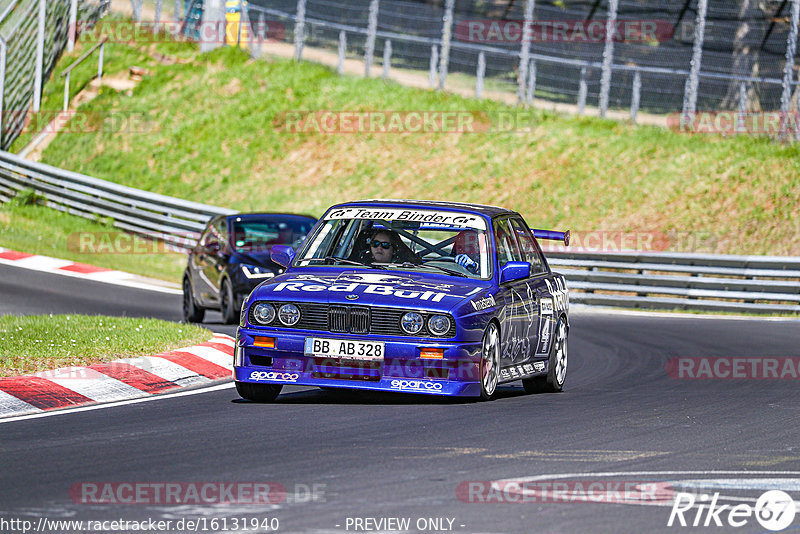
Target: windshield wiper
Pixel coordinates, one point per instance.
(337, 261)
(408, 264)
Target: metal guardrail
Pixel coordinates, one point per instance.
(655, 280)
(174, 221)
(663, 280)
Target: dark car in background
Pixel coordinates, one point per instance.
(232, 256)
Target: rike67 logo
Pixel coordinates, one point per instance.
(774, 510)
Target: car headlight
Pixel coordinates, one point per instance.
(439, 325)
(254, 271)
(263, 313)
(411, 323)
(289, 314)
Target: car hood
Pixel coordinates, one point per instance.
(371, 287)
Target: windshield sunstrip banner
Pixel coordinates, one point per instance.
(433, 217)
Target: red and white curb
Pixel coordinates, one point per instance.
(47, 264)
(117, 380)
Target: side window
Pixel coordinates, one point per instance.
(506, 245)
(207, 237)
(529, 250)
(220, 231)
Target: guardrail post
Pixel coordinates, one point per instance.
(342, 52)
(299, 30)
(788, 69)
(73, 25)
(740, 125)
(37, 81)
(582, 91)
(372, 30)
(524, 52)
(636, 95)
(387, 57)
(690, 90)
(608, 56)
(447, 32)
(479, 75)
(432, 69)
(531, 90)
(157, 17)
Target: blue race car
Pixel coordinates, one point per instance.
(408, 296)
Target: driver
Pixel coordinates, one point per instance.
(467, 250)
(383, 246)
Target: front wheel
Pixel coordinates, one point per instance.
(258, 392)
(557, 365)
(490, 362)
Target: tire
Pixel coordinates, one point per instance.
(192, 313)
(556, 366)
(227, 303)
(490, 362)
(258, 392)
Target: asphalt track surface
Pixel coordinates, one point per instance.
(621, 418)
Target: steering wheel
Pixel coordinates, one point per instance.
(446, 259)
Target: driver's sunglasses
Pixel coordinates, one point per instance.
(383, 244)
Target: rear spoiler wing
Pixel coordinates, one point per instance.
(552, 234)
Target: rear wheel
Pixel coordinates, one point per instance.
(490, 361)
(192, 313)
(227, 303)
(556, 366)
(258, 392)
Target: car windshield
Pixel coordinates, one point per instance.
(450, 243)
(250, 234)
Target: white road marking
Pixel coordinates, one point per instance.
(91, 407)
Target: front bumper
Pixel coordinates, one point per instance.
(400, 370)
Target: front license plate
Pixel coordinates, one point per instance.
(344, 348)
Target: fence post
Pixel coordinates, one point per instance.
(157, 16)
(582, 91)
(372, 30)
(37, 81)
(387, 57)
(299, 30)
(209, 40)
(136, 6)
(66, 92)
(636, 95)
(342, 52)
(447, 31)
(3, 49)
(690, 91)
(479, 75)
(531, 91)
(176, 14)
(524, 52)
(608, 56)
(73, 24)
(740, 125)
(100, 63)
(788, 69)
(432, 69)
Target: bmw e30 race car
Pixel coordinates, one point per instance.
(408, 296)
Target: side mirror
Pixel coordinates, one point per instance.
(283, 255)
(515, 270)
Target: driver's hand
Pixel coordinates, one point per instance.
(467, 263)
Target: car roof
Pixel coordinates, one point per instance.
(258, 215)
(488, 211)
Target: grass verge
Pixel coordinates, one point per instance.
(31, 343)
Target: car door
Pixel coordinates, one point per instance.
(521, 313)
(206, 264)
(541, 284)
